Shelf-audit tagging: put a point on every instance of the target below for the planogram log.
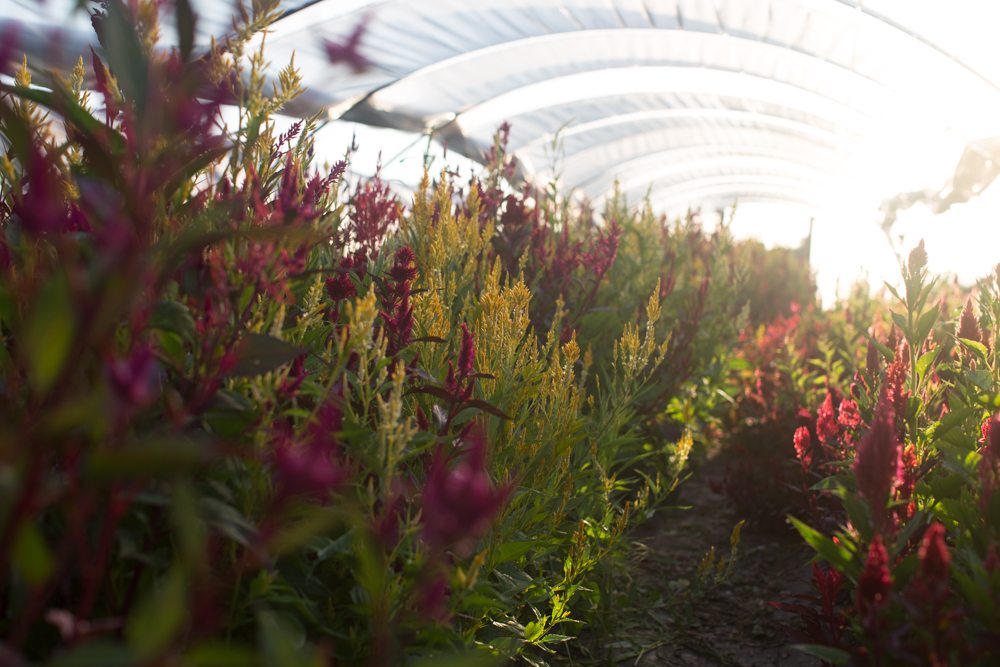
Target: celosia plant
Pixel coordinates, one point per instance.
(254, 416)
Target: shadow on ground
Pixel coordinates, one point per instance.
(664, 616)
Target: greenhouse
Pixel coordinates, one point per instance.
(469, 332)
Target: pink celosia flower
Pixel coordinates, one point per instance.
(397, 313)
(896, 375)
(878, 464)
(432, 598)
(827, 582)
(875, 582)
(873, 359)
(312, 467)
(826, 424)
(918, 258)
(935, 559)
(803, 446)
(968, 326)
(848, 415)
(459, 502)
(467, 353)
(42, 209)
(347, 52)
(136, 378)
(989, 465)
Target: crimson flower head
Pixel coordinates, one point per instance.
(347, 52)
(404, 265)
(803, 446)
(827, 582)
(459, 502)
(918, 258)
(848, 415)
(136, 378)
(968, 325)
(42, 209)
(826, 424)
(878, 464)
(872, 359)
(467, 354)
(312, 467)
(875, 581)
(991, 436)
(341, 286)
(935, 559)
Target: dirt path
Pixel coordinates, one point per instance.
(668, 619)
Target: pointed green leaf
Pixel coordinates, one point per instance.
(49, 332)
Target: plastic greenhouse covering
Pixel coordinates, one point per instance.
(812, 105)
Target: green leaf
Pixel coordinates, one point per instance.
(220, 655)
(533, 631)
(98, 653)
(981, 378)
(926, 323)
(280, 643)
(900, 321)
(49, 332)
(31, 556)
(834, 656)
(836, 554)
(924, 362)
(185, 28)
(313, 522)
(156, 457)
(951, 420)
(158, 618)
(893, 291)
(258, 353)
(509, 551)
(175, 317)
(975, 347)
(125, 55)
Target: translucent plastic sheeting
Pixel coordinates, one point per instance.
(851, 100)
(609, 89)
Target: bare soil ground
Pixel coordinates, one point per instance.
(665, 616)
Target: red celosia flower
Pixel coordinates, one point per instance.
(296, 376)
(826, 424)
(397, 313)
(311, 468)
(873, 359)
(432, 598)
(459, 502)
(896, 375)
(341, 286)
(989, 465)
(803, 446)
(918, 258)
(992, 561)
(875, 581)
(374, 211)
(878, 464)
(968, 326)
(404, 265)
(827, 582)
(935, 559)
(848, 415)
(136, 378)
(347, 52)
(42, 209)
